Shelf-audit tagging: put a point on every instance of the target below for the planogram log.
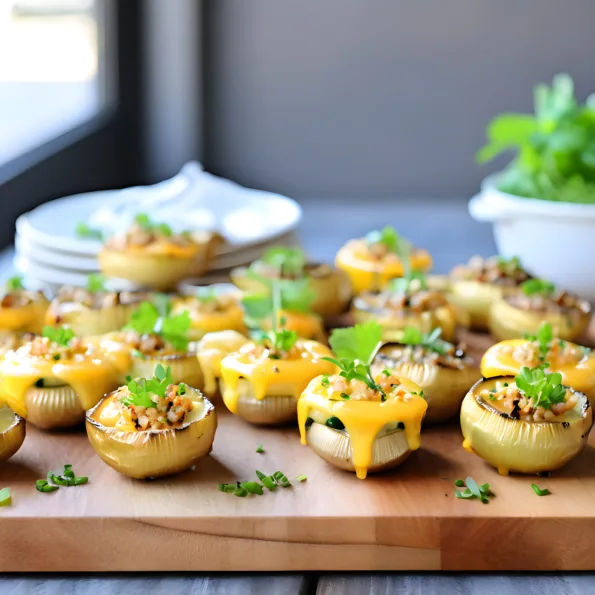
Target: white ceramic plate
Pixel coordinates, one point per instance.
(244, 217)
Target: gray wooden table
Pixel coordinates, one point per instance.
(444, 228)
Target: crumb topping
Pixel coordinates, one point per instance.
(452, 356)
(401, 304)
(560, 302)
(340, 389)
(494, 270)
(529, 353)
(95, 300)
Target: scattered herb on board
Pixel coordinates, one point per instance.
(473, 490)
(42, 485)
(259, 449)
(241, 489)
(5, 497)
(65, 478)
(301, 478)
(539, 491)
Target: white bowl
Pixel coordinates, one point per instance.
(554, 240)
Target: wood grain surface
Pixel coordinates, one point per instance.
(407, 519)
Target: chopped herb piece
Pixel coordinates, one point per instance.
(252, 487)
(344, 396)
(464, 495)
(387, 373)
(539, 491)
(459, 483)
(389, 237)
(240, 492)
(431, 341)
(84, 231)
(67, 478)
(325, 381)
(5, 497)
(301, 478)
(281, 479)
(137, 353)
(228, 488)
(56, 356)
(60, 335)
(288, 261)
(144, 222)
(268, 481)
(335, 423)
(42, 485)
(259, 449)
(473, 490)
(15, 284)
(182, 388)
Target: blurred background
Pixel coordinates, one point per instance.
(315, 99)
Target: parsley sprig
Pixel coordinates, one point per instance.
(545, 389)
(156, 318)
(142, 389)
(15, 284)
(95, 283)
(355, 348)
(294, 296)
(84, 231)
(390, 238)
(538, 287)
(431, 341)
(60, 335)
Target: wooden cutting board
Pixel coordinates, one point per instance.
(407, 519)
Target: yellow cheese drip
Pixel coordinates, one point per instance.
(498, 361)
(273, 377)
(363, 420)
(91, 377)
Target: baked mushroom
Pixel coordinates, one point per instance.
(152, 427)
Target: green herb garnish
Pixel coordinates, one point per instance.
(42, 485)
(545, 389)
(59, 335)
(5, 497)
(294, 296)
(288, 261)
(95, 283)
(143, 389)
(389, 237)
(84, 231)
(412, 281)
(355, 348)
(335, 423)
(15, 284)
(544, 337)
(473, 490)
(431, 341)
(206, 295)
(509, 264)
(151, 318)
(301, 478)
(66, 479)
(538, 287)
(555, 154)
(144, 222)
(539, 491)
(259, 449)
(252, 487)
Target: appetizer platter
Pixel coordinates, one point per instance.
(359, 415)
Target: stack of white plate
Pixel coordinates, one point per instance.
(49, 252)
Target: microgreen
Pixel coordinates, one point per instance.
(555, 153)
(288, 261)
(59, 335)
(84, 231)
(15, 284)
(5, 497)
(259, 449)
(355, 348)
(545, 389)
(544, 337)
(473, 490)
(538, 287)
(142, 389)
(295, 296)
(431, 341)
(95, 283)
(539, 491)
(150, 318)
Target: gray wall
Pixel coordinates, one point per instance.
(377, 97)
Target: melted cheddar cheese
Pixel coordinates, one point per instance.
(273, 377)
(90, 376)
(363, 420)
(499, 360)
(369, 273)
